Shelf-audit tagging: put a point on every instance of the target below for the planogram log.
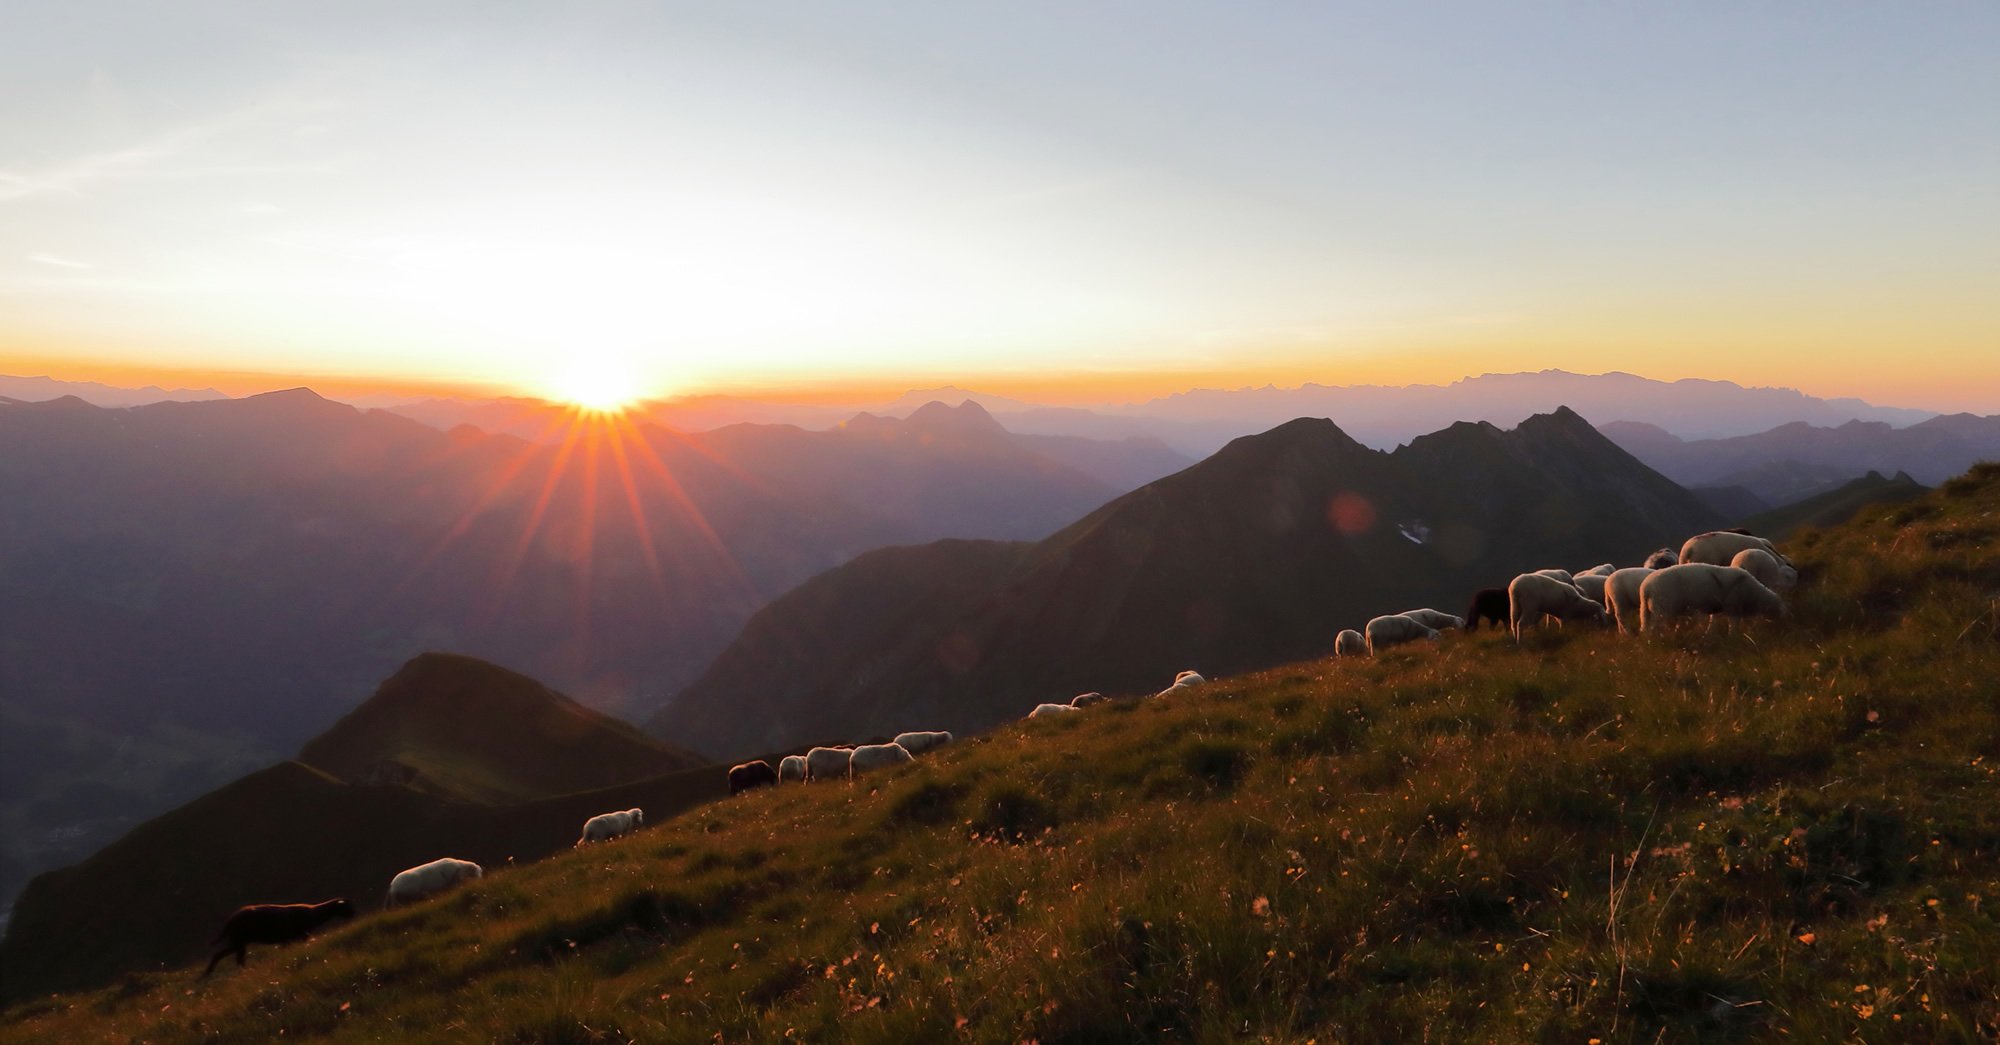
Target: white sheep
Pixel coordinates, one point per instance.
(1084, 700)
(1621, 596)
(1184, 680)
(878, 756)
(1602, 569)
(1562, 575)
(792, 767)
(1702, 589)
(429, 879)
(828, 763)
(1591, 585)
(1717, 547)
(1769, 570)
(1045, 710)
(1662, 559)
(919, 742)
(1394, 629)
(1349, 643)
(1438, 620)
(1532, 597)
(605, 826)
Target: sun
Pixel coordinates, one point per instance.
(596, 384)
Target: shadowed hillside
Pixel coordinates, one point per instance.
(1788, 833)
(451, 756)
(1255, 556)
(1836, 506)
(462, 728)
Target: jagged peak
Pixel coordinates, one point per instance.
(967, 416)
(1561, 419)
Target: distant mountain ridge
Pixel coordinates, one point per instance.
(1254, 556)
(1381, 415)
(40, 389)
(1197, 422)
(1931, 451)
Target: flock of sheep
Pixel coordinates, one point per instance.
(835, 761)
(1727, 573)
(1723, 573)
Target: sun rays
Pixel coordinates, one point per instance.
(607, 499)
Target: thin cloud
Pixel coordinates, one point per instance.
(161, 157)
(59, 262)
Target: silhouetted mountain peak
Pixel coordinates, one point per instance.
(301, 394)
(870, 423)
(1561, 420)
(968, 417)
(68, 404)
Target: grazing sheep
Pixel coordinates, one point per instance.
(1718, 547)
(606, 826)
(1602, 569)
(828, 763)
(1349, 643)
(881, 756)
(792, 767)
(1183, 680)
(1621, 596)
(751, 774)
(1702, 589)
(1562, 575)
(272, 923)
(1662, 559)
(1435, 619)
(429, 879)
(1767, 568)
(1084, 700)
(1394, 629)
(918, 743)
(1592, 585)
(1535, 596)
(1488, 604)
(1045, 710)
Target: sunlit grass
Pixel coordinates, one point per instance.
(1791, 831)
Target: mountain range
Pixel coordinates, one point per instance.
(1796, 460)
(1199, 421)
(188, 588)
(1255, 556)
(41, 389)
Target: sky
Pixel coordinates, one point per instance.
(1102, 200)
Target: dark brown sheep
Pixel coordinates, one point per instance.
(1488, 604)
(751, 774)
(272, 923)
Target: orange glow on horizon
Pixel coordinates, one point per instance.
(601, 386)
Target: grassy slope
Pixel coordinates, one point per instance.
(1792, 831)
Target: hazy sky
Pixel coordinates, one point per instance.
(1130, 196)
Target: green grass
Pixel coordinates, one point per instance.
(1792, 831)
